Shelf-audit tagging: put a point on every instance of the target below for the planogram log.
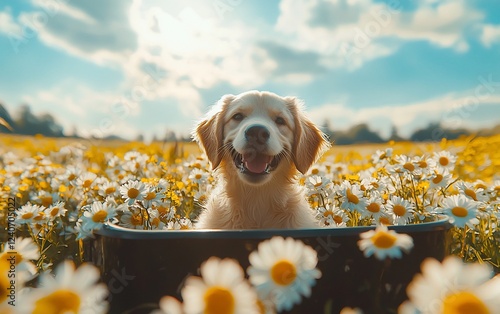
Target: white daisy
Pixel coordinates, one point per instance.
(440, 179)
(470, 191)
(86, 180)
(133, 219)
(374, 206)
(152, 197)
(97, 214)
(45, 198)
(108, 189)
(154, 219)
(352, 197)
(317, 183)
(400, 209)
(331, 216)
(443, 160)
(384, 243)
(422, 163)
(382, 156)
(70, 291)
(283, 270)
(56, 210)
(405, 164)
(221, 289)
(453, 287)
(197, 175)
(132, 191)
(460, 210)
(27, 213)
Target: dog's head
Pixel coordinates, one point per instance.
(256, 132)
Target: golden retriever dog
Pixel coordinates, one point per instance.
(256, 142)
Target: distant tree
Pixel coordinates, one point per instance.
(29, 124)
(435, 132)
(360, 133)
(139, 138)
(395, 135)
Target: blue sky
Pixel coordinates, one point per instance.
(135, 66)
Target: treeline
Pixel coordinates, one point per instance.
(26, 122)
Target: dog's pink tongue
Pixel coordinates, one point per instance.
(256, 163)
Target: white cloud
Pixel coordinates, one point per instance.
(452, 110)
(348, 33)
(92, 30)
(443, 23)
(8, 26)
(490, 35)
(77, 105)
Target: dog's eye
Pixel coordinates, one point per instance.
(280, 121)
(238, 117)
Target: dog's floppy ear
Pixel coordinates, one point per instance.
(209, 132)
(309, 142)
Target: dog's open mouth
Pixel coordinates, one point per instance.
(253, 163)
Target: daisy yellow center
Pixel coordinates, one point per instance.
(351, 197)
(497, 188)
(317, 184)
(150, 196)
(373, 207)
(110, 190)
(399, 210)
(409, 166)
(437, 179)
(46, 200)
(422, 164)
(54, 211)
(327, 213)
(100, 216)
(27, 215)
(383, 240)
(338, 219)
(132, 193)
(464, 303)
(198, 176)
(71, 177)
(283, 273)
(481, 186)
(218, 300)
(40, 216)
(87, 183)
(384, 220)
(459, 211)
(470, 193)
(444, 161)
(136, 220)
(315, 171)
(58, 302)
(375, 185)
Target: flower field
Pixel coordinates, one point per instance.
(54, 193)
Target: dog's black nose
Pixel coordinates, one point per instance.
(257, 133)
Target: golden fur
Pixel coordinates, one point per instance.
(243, 199)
